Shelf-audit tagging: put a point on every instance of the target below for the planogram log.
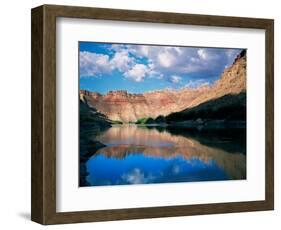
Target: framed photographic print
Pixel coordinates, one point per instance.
(140, 114)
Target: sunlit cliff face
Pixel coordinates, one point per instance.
(126, 107)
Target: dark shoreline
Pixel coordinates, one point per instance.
(198, 124)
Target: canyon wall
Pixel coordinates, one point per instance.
(127, 107)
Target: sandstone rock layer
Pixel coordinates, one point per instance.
(127, 107)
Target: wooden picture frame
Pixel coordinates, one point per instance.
(43, 208)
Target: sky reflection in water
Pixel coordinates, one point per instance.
(135, 155)
(140, 169)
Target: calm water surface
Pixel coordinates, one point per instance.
(141, 155)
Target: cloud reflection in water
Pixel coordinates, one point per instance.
(128, 158)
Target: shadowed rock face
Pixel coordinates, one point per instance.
(126, 107)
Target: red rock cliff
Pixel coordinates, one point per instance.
(127, 107)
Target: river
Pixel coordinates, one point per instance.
(134, 154)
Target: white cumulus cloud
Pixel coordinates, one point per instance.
(175, 79)
(202, 54)
(94, 64)
(166, 59)
(170, 63)
(121, 61)
(137, 72)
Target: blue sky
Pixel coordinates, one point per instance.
(141, 68)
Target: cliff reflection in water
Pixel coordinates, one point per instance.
(133, 154)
